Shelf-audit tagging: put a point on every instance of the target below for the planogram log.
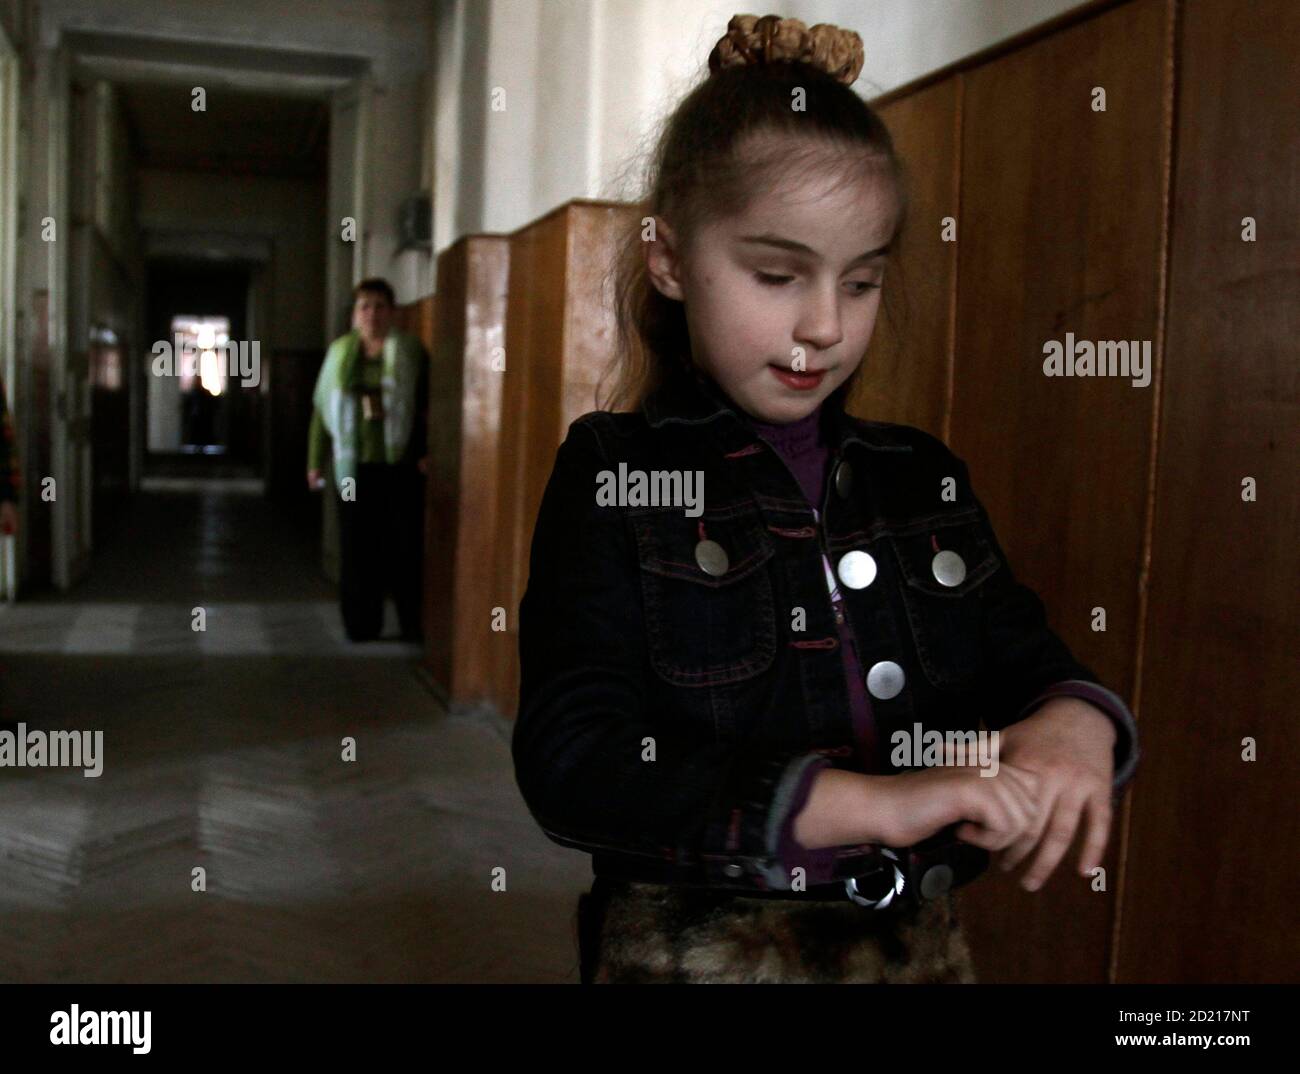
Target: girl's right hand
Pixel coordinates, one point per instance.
(314, 480)
(997, 810)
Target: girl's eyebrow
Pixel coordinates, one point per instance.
(768, 239)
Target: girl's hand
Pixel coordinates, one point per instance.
(1069, 745)
(8, 517)
(315, 480)
(998, 810)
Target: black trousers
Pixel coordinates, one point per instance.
(381, 550)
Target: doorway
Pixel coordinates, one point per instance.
(203, 415)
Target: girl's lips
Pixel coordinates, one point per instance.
(799, 381)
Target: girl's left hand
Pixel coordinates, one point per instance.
(1069, 744)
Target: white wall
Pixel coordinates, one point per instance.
(585, 82)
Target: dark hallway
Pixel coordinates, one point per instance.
(222, 750)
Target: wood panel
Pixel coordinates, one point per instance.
(464, 430)
(908, 364)
(1062, 231)
(1212, 894)
(558, 338)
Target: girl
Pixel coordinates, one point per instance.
(710, 691)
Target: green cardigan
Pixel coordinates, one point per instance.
(336, 414)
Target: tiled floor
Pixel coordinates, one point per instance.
(222, 752)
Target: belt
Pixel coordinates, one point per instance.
(898, 880)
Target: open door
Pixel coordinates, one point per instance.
(8, 281)
(70, 418)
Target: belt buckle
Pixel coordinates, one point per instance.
(923, 872)
(897, 885)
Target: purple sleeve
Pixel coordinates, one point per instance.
(1126, 740)
(817, 864)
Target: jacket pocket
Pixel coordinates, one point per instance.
(945, 561)
(709, 611)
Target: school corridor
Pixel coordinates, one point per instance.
(258, 254)
(223, 752)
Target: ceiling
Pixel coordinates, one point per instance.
(239, 133)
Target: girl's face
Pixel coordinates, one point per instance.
(781, 301)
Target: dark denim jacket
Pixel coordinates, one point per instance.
(667, 713)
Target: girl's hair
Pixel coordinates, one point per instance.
(733, 136)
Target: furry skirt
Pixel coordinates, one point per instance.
(635, 933)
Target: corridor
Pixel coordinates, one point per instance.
(222, 750)
(303, 305)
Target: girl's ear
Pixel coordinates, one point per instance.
(663, 262)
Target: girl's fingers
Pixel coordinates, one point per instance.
(1022, 776)
(1017, 810)
(1098, 814)
(1056, 841)
(1017, 852)
(1029, 839)
(1001, 811)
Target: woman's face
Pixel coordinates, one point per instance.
(372, 315)
(781, 300)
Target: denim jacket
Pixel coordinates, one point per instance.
(669, 706)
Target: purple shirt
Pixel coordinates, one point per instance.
(800, 444)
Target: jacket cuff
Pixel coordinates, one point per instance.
(818, 864)
(743, 834)
(1126, 738)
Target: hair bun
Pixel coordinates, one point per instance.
(753, 40)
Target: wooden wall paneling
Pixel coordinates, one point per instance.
(464, 426)
(533, 337)
(907, 366)
(1062, 231)
(1212, 892)
(558, 338)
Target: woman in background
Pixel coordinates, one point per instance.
(370, 413)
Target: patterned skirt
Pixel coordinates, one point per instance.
(635, 933)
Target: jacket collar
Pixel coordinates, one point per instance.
(690, 397)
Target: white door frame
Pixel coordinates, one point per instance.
(9, 177)
(63, 394)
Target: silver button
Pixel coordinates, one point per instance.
(844, 479)
(948, 568)
(857, 569)
(733, 869)
(712, 558)
(936, 881)
(885, 680)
